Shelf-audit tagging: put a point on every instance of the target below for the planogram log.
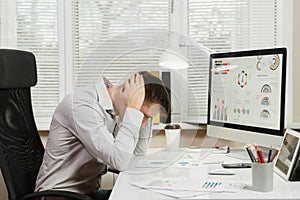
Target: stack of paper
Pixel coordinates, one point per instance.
(182, 187)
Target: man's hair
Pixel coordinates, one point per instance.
(156, 92)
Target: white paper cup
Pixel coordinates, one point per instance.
(172, 132)
(262, 176)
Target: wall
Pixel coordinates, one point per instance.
(296, 67)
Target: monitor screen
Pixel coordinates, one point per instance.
(247, 93)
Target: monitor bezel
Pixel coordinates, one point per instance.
(269, 131)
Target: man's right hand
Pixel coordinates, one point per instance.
(133, 93)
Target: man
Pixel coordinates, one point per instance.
(100, 125)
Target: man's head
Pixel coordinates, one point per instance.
(156, 93)
(142, 91)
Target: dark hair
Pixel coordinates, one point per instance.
(156, 92)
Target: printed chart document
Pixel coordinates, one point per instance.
(165, 158)
(178, 186)
(181, 163)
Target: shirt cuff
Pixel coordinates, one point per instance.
(146, 131)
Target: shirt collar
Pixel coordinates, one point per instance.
(103, 95)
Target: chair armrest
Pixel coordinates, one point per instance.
(113, 171)
(56, 193)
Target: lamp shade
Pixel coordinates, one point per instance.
(172, 61)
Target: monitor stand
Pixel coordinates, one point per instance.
(243, 155)
(240, 154)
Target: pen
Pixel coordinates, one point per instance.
(252, 157)
(275, 154)
(261, 156)
(225, 148)
(257, 154)
(270, 153)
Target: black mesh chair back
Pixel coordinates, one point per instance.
(21, 148)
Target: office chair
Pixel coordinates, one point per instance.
(21, 148)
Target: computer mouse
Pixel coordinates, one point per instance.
(221, 172)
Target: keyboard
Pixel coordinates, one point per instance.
(212, 159)
(207, 158)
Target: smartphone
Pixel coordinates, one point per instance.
(236, 165)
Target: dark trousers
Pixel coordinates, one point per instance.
(100, 195)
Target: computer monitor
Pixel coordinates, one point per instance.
(247, 96)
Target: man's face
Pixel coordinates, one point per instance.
(149, 110)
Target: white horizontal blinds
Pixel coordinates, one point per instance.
(7, 24)
(37, 32)
(222, 26)
(197, 81)
(114, 38)
(263, 29)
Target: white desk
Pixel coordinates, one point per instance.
(184, 126)
(124, 190)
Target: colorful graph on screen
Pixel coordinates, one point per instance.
(242, 79)
(220, 110)
(266, 88)
(265, 101)
(274, 63)
(265, 114)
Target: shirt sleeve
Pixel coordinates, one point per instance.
(145, 136)
(90, 128)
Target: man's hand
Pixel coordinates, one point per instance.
(133, 93)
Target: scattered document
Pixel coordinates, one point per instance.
(182, 163)
(190, 184)
(179, 194)
(153, 163)
(186, 163)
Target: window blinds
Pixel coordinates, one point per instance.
(113, 38)
(222, 26)
(33, 25)
(37, 32)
